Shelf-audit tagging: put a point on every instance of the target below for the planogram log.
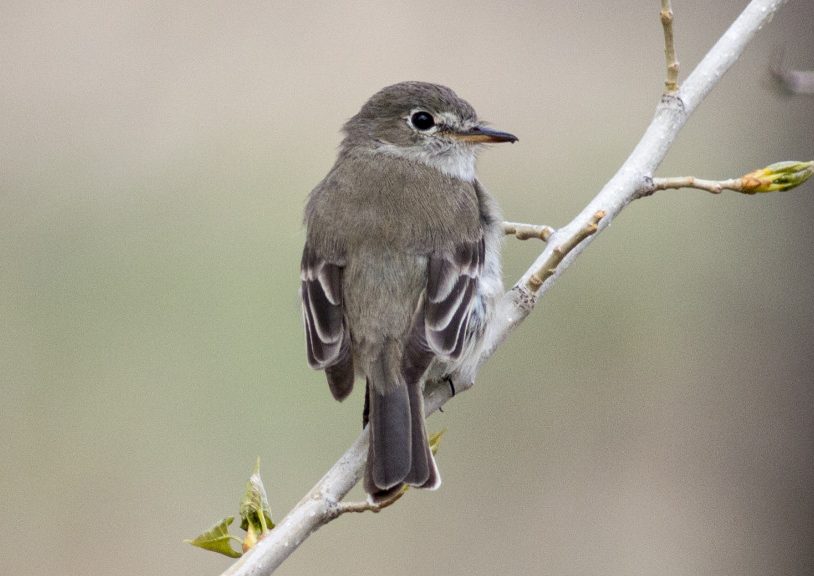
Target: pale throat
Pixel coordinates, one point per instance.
(455, 160)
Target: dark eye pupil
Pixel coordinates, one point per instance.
(422, 121)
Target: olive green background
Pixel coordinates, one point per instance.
(655, 415)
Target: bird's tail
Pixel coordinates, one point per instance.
(399, 451)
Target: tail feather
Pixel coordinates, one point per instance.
(399, 451)
(389, 436)
(423, 471)
(415, 361)
(375, 494)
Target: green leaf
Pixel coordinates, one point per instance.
(254, 506)
(217, 539)
(435, 440)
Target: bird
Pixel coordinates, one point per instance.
(401, 269)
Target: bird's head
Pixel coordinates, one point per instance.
(422, 122)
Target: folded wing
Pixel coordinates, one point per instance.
(452, 281)
(327, 336)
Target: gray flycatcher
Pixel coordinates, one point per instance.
(401, 268)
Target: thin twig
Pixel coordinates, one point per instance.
(366, 506)
(779, 176)
(344, 507)
(713, 186)
(526, 231)
(671, 83)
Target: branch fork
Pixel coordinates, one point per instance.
(555, 258)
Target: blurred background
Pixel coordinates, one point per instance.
(655, 415)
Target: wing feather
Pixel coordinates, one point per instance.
(451, 292)
(327, 335)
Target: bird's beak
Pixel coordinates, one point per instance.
(482, 134)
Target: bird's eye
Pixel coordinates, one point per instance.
(422, 120)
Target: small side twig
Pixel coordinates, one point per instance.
(358, 507)
(671, 83)
(549, 267)
(526, 231)
(776, 177)
(712, 186)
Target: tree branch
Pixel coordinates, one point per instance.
(671, 83)
(323, 502)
